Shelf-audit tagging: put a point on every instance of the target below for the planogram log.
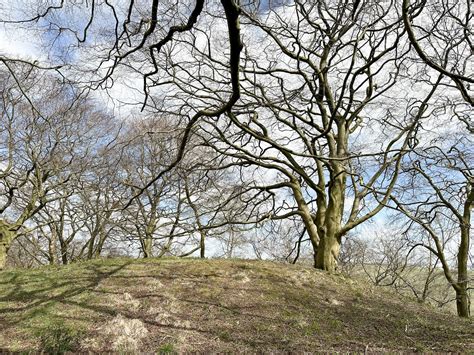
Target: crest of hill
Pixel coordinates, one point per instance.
(191, 305)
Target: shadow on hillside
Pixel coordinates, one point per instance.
(38, 299)
(43, 296)
(32, 297)
(260, 310)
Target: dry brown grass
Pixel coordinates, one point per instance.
(184, 305)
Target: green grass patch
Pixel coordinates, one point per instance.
(58, 338)
(167, 348)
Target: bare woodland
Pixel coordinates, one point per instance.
(333, 132)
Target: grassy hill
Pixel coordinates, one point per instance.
(179, 305)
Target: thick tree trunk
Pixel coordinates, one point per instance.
(328, 253)
(463, 303)
(3, 254)
(329, 246)
(147, 247)
(6, 239)
(330, 216)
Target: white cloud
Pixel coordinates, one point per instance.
(18, 45)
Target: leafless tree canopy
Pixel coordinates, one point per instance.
(295, 130)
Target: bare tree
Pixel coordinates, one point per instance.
(315, 116)
(132, 35)
(48, 131)
(441, 186)
(394, 257)
(149, 146)
(307, 105)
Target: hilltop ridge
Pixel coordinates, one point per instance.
(183, 305)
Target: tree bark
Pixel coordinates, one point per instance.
(463, 303)
(90, 244)
(3, 254)
(330, 233)
(52, 251)
(202, 245)
(100, 244)
(6, 238)
(307, 218)
(328, 253)
(147, 246)
(63, 248)
(462, 296)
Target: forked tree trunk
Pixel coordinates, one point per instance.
(324, 240)
(329, 247)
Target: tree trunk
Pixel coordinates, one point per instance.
(52, 251)
(63, 250)
(3, 254)
(147, 247)
(307, 218)
(462, 302)
(202, 245)
(100, 245)
(329, 246)
(64, 257)
(462, 296)
(328, 253)
(202, 232)
(6, 239)
(90, 247)
(52, 240)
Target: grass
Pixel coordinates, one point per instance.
(166, 349)
(184, 305)
(58, 338)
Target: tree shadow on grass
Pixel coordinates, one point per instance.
(37, 297)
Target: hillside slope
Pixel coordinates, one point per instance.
(178, 305)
